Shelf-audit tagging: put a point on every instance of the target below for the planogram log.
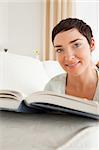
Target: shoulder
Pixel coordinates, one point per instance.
(96, 97)
(56, 83)
(98, 75)
(58, 78)
(97, 70)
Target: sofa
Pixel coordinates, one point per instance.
(40, 131)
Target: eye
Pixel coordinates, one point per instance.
(59, 50)
(77, 45)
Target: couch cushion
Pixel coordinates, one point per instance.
(45, 132)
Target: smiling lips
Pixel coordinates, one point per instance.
(72, 65)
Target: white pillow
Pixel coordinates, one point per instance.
(87, 137)
(23, 73)
(52, 68)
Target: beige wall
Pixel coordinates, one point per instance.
(22, 27)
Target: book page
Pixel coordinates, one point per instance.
(10, 99)
(11, 94)
(9, 104)
(63, 100)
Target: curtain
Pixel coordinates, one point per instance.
(54, 11)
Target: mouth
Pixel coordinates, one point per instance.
(71, 65)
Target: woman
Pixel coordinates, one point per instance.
(73, 42)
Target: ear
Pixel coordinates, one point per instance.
(92, 45)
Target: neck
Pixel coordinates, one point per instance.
(88, 77)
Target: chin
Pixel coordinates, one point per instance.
(74, 72)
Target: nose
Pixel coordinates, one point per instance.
(69, 55)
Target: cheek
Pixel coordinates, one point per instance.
(60, 59)
(84, 55)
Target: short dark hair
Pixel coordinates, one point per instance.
(70, 23)
(97, 64)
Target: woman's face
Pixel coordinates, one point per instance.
(73, 51)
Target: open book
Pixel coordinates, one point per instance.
(48, 102)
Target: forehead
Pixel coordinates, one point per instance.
(67, 36)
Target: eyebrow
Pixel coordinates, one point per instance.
(74, 40)
(69, 43)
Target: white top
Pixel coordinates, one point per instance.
(57, 84)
